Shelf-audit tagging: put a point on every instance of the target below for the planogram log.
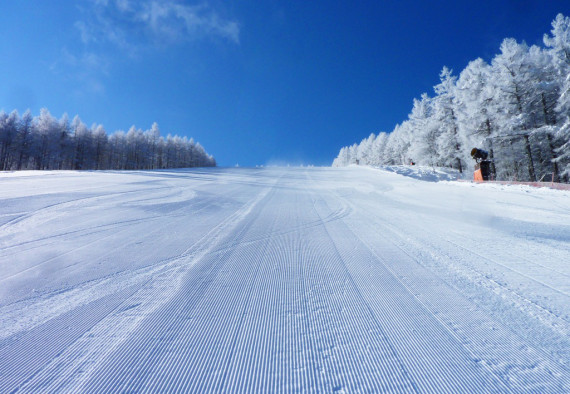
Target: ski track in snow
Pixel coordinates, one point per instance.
(281, 280)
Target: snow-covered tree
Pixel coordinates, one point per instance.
(99, 140)
(475, 98)
(558, 138)
(8, 137)
(342, 159)
(45, 143)
(378, 148)
(423, 147)
(559, 43)
(511, 78)
(364, 151)
(444, 108)
(517, 107)
(562, 132)
(24, 140)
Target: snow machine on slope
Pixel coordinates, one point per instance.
(482, 166)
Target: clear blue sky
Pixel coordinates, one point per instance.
(256, 82)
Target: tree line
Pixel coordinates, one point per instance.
(46, 143)
(517, 108)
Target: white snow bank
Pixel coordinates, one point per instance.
(424, 173)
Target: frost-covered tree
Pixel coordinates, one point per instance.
(99, 140)
(47, 147)
(24, 140)
(392, 154)
(444, 108)
(8, 137)
(558, 137)
(559, 43)
(517, 107)
(475, 99)
(353, 154)
(82, 138)
(423, 147)
(364, 150)
(153, 137)
(544, 90)
(378, 148)
(562, 132)
(342, 158)
(511, 78)
(44, 143)
(63, 159)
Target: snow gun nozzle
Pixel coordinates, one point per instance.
(479, 154)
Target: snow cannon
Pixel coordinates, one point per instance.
(479, 154)
(482, 165)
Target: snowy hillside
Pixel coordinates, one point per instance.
(281, 280)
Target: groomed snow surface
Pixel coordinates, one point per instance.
(281, 280)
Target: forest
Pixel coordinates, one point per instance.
(46, 143)
(516, 108)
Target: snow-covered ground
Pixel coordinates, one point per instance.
(426, 173)
(281, 280)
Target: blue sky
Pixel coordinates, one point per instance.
(256, 82)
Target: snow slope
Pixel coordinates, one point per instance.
(280, 280)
